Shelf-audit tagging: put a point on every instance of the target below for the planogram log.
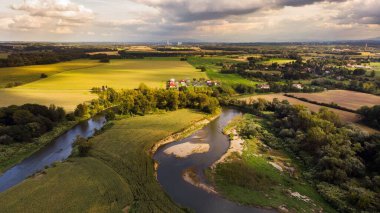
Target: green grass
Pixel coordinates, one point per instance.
(251, 180)
(213, 70)
(71, 87)
(376, 66)
(120, 153)
(16, 152)
(78, 185)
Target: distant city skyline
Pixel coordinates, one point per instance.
(185, 20)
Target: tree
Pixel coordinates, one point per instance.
(84, 146)
(81, 110)
(359, 71)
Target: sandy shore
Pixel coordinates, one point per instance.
(190, 176)
(236, 146)
(186, 149)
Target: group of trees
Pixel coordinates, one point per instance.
(371, 115)
(35, 55)
(145, 100)
(343, 161)
(23, 123)
(275, 87)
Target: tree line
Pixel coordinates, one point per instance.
(23, 123)
(144, 100)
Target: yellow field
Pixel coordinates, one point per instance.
(72, 87)
(28, 74)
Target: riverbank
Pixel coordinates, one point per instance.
(124, 150)
(263, 176)
(14, 153)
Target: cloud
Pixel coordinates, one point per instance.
(61, 9)
(198, 10)
(61, 15)
(359, 11)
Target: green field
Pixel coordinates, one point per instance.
(213, 70)
(250, 179)
(119, 174)
(71, 87)
(376, 66)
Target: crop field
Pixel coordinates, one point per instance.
(119, 174)
(28, 74)
(72, 87)
(105, 53)
(277, 60)
(213, 70)
(345, 116)
(78, 185)
(348, 99)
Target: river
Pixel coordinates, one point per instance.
(58, 150)
(170, 170)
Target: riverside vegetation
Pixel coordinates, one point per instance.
(340, 160)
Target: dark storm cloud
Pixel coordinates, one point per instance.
(196, 10)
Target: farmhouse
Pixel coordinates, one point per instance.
(173, 84)
(297, 86)
(263, 86)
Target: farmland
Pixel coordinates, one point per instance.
(27, 74)
(348, 99)
(77, 185)
(119, 172)
(213, 70)
(71, 87)
(277, 60)
(347, 117)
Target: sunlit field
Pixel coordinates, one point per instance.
(26, 74)
(72, 87)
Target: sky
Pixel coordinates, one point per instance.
(195, 20)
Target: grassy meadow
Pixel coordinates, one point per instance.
(376, 67)
(118, 174)
(250, 179)
(71, 87)
(77, 185)
(213, 70)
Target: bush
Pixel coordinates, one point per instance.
(84, 146)
(43, 75)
